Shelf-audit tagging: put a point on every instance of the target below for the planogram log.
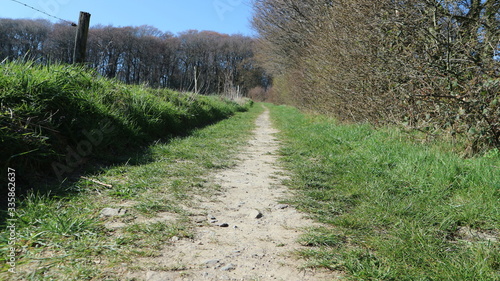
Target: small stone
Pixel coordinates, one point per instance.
(110, 212)
(229, 267)
(174, 239)
(282, 206)
(211, 217)
(256, 214)
(115, 225)
(212, 262)
(213, 221)
(223, 225)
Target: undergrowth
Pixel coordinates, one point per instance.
(396, 208)
(56, 118)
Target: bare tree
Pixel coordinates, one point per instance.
(21, 38)
(142, 54)
(430, 64)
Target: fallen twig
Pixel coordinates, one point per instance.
(98, 182)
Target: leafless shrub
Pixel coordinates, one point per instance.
(432, 65)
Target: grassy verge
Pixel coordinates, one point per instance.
(63, 235)
(55, 118)
(66, 238)
(394, 209)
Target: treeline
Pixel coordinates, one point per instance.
(206, 62)
(432, 65)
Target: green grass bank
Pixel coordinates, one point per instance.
(393, 207)
(65, 237)
(56, 118)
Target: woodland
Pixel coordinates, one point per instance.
(205, 62)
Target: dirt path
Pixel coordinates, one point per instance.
(260, 234)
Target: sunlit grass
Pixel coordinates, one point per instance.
(395, 205)
(66, 239)
(62, 235)
(46, 109)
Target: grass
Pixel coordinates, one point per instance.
(64, 237)
(61, 235)
(394, 206)
(54, 118)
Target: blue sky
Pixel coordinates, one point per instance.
(224, 16)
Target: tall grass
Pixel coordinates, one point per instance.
(62, 236)
(400, 209)
(48, 110)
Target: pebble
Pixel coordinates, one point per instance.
(115, 225)
(256, 214)
(282, 206)
(229, 267)
(212, 262)
(223, 225)
(110, 212)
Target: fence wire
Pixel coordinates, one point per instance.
(45, 13)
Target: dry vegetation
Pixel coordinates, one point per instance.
(429, 64)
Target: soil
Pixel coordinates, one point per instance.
(243, 232)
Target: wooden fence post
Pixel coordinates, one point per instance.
(81, 38)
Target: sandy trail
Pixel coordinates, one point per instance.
(249, 248)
